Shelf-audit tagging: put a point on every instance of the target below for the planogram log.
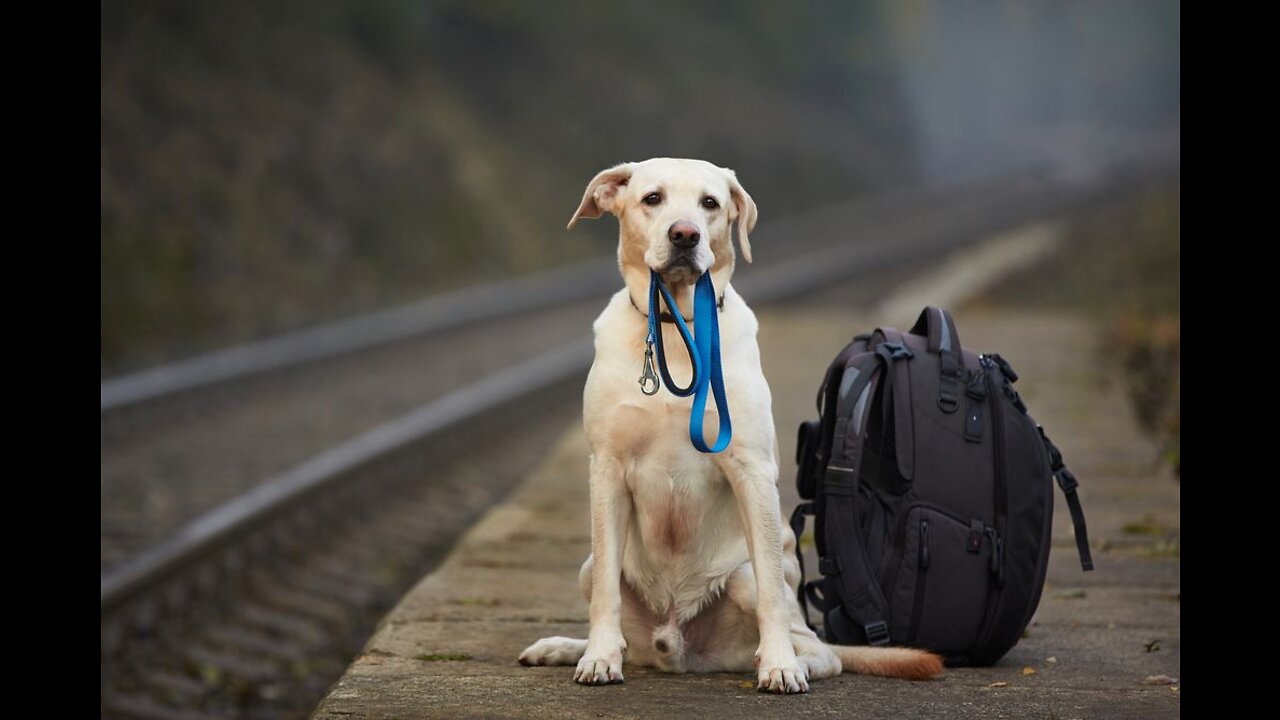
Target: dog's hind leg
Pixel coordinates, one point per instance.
(815, 656)
(816, 659)
(819, 659)
(554, 651)
(559, 650)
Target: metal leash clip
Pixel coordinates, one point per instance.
(649, 374)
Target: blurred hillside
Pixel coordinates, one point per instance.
(270, 165)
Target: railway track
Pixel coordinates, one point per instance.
(256, 525)
(179, 440)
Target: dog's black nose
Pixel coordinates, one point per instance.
(683, 234)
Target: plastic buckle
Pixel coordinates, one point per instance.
(828, 566)
(894, 351)
(976, 388)
(877, 633)
(838, 481)
(1066, 480)
(1055, 455)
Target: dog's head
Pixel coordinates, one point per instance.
(675, 215)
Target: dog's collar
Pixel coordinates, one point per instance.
(665, 316)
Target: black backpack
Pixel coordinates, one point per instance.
(932, 495)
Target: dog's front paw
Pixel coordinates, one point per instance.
(779, 674)
(600, 667)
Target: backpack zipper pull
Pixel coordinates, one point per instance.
(975, 536)
(1005, 369)
(997, 555)
(993, 362)
(924, 544)
(1000, 554)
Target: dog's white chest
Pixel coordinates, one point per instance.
(673, 491)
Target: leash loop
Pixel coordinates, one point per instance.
(655, 337)
(704, 355)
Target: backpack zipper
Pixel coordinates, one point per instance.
(1001, 503)
(922, 580)
(889, 573)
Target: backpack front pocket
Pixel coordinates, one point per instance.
(940, 585)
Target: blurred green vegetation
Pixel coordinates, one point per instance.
(1121, 263)
(1150, 352)
(269, 165)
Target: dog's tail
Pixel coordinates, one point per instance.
(894, 662)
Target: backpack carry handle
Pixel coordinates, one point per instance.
(936, 324)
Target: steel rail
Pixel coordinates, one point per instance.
(440, 313)
(432, 315)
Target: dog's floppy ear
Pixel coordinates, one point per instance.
(601, 191)
(746, 213)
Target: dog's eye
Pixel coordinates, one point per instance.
(652, 198)
(710, 203)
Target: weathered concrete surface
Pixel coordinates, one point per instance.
(1096, 636)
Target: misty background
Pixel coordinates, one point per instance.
(268, 166)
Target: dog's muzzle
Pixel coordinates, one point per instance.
(681, 265)
(679, 270)
(681, 259)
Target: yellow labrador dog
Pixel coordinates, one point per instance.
(691, 567)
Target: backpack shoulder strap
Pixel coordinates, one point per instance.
(820, 448)
(846, 561)
(900, 394)
(857, 345)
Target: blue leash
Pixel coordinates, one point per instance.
(706, 359)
